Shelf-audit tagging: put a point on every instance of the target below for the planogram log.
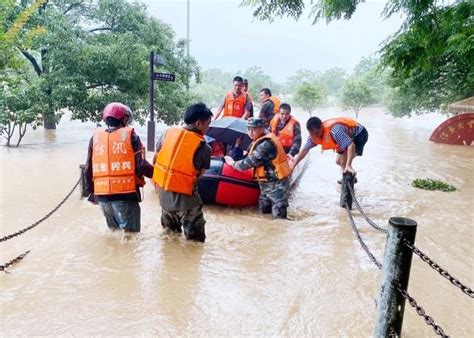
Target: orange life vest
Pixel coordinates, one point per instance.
(174, 168)
(285, 135)
(276, 102)
(113, 162)
(280, 162)
(326, 141)
(235, 106)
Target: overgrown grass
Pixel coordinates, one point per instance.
(430, 184)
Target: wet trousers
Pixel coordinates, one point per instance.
(122, 215)
(191, 221)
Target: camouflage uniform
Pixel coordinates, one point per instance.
(192, 220)
(274, 193)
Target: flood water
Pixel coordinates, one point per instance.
(254, 276)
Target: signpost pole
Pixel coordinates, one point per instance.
(151, 122)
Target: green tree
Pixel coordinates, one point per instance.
(19, 104)
(300, 76)
(430, 64)
(429, 60)
(355, 94)
(259, 80)
(309, 96)
(370, 72)
(333, 79)
(96, 52)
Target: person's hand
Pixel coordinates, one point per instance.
(292, 165)
(229, 160)
(350, 170)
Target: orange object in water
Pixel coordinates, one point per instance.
(113, 162)
(280, 162)
(174, 168)
(326, 141)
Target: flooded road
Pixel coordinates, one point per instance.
(253, 276)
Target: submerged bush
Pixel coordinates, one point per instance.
(430, 184)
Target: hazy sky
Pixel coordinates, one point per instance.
(224, 35)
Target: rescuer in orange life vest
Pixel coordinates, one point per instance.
(344, 135)
(271, 168)
(115, 168)
(182, 155)
(287, 129)
(236, 103)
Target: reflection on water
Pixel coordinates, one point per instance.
(253, 276)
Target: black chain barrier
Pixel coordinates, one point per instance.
(18, 233)
(468, 291)
(361, 241)
(13, 261)
(419, 310)
(372, 223)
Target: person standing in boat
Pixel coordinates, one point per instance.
(271, 168)
(344, 135)
(287, 129)
(115, 169)
(182, 155)
(236, 103)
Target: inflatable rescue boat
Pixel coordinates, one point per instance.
(221, 184)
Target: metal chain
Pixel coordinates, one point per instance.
(372, 223)
(363, 245)
(13, 261)
(468, 291)
(18, 233)
(421, 312)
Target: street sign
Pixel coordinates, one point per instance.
(164, 77)
(159, 60)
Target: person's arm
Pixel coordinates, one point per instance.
(219, 110)
(266, 110)
(248, 107)
(295, 148)
(303, 152)
(158, 146)
(88, 169)
(264, 151)
(142, 166)
(299, 157)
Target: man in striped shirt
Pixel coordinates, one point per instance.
(344, 135)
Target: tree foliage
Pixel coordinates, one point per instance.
(309, 96)
(428, 61)
(369, 72)
(94, 52)
(431, 62)
(355, 95)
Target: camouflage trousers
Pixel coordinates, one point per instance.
(274, 198)
(192, 222)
